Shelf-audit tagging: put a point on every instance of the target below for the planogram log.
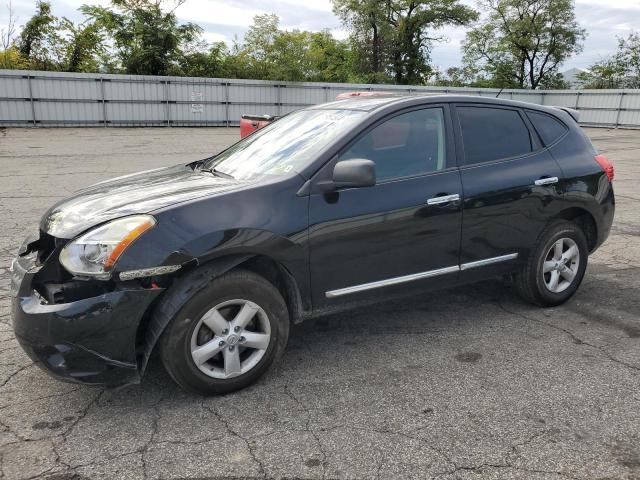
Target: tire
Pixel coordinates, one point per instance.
(234, 297)
(535, 282)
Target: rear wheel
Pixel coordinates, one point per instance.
(555, 270)
(226, 335)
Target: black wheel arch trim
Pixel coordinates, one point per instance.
(167, 306)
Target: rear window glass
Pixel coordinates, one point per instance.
(492, 134)
(547, 127)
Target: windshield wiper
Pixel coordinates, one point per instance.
(217, 173)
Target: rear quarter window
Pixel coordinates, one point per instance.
(549, 128)
(492, 134)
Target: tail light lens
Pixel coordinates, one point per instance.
(606, 165)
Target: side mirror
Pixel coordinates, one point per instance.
(354, 173)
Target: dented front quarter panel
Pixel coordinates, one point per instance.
(267, 219)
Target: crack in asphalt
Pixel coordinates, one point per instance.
(45, 397)
(154, 431)
(287, 391)
(574, 338)
(21, 369)
(232, 432)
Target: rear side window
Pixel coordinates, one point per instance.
(547, 127)
(492, 134)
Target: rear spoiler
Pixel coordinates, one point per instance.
(575, 114)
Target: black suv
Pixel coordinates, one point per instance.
(328, 207)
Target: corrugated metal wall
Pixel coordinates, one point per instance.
(29, 98)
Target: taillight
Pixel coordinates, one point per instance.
(606, 165)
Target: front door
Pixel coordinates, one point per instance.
(404, 232)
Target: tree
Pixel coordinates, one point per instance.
(392, 37)
(211, 62)
(608, 72)
(370, 36)
(258, 48)
(10, 56)
(618, 70)
(333, 60)
(7, 33)
(82, 46)
(523, 42)
(629, 57)
(270, 53)
(147, 40)
(38, 39)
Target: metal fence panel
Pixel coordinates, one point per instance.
(31, 98)
(14, 87)
(16, 112)
(628, 118)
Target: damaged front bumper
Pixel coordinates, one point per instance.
(88, 340)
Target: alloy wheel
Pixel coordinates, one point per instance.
(561, 265)
(230, 339)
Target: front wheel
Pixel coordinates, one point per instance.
(555, 270)
(226, 335)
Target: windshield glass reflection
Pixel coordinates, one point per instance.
(284, 146)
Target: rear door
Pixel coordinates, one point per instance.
(401, 234)
(510, 183)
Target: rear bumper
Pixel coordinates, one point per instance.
(607, 213)
(90, 341)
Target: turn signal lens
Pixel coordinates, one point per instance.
(606, 165)
(125, 242)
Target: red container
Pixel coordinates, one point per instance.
(251, 123)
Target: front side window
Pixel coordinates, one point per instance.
(409, 144)
(287, 145)
(492, 134)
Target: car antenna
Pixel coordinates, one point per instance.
(501, 88)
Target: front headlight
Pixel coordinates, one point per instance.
(95, 253)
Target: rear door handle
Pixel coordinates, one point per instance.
(443, 199)
(546, 181)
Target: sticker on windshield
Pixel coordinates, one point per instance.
(283, 168)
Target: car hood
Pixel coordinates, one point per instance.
(141, 192)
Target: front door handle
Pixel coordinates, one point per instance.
(546, 181)
(443, 199)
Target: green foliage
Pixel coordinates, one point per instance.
(11, 58)
(38, 39)
(147, 40)
(212, 62)
(521, 43)
(629, 56)
(619, 70)
(391, 38)
(606, 73)
(554, 81)
(82, 46)
(273, 54)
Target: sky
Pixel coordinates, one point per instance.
(223, 20)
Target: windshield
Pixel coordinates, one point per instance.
(284, 146)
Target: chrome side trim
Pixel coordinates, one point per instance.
(488, 261)
(391, 281)
(419, 276)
